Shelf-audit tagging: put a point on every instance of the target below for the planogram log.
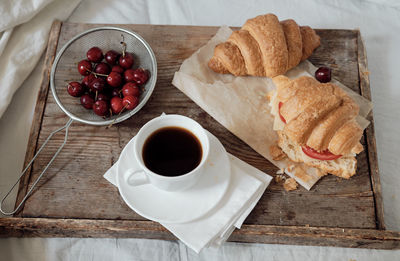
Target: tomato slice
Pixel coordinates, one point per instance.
(323, 155)
(280, 105)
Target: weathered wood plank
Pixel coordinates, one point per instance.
(355, 238)
(39, 108)
(370, 134)
(316, 236)
(339, 51)
(74, 186)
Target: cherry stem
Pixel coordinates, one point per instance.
(111, 124)
(123, 45)
(95, 98)
(99, 74)
(126, 105)
(96, 74)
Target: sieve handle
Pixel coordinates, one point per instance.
(66, 126)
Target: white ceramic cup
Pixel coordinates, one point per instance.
(136, 177)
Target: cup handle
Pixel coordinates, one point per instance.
(136, 177)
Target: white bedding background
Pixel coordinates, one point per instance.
(379, 22)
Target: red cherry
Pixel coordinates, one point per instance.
(126, 61)
(84, 67)
(323, 74)
(94, 54)
(130, 89)
(98, 84)
(100, 108)
(103, 97)
(75, 89)
(87, 101)
(118, 69)
(114, 79)
(130, 102)
(102, 68)
(116, 104)
(86, 81)
(140, 76)
(91, 94)
(115, 92)
(112, 57)
(129, 75)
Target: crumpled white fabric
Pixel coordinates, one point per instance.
(24, 30)
(17, 12)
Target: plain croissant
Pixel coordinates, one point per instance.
(264, 47)
(321, 116)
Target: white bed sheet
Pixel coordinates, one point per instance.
(379, 22)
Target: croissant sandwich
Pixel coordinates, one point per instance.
(264, 47)
(316, 124)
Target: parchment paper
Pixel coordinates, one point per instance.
(240, 103)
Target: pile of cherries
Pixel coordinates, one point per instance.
(109, 87)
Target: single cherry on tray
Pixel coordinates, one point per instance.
(323, 74)
(130, 89)
(100, 107)
(102, 68)
(126, 60)
(87, 101)
(114, 79)
(116, 104)
(130, 102)
(94, 54)
(140, 76)
(112, 57)
(84, 67)
(98, 84)
(75, 89)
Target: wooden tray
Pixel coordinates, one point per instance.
(74, 200)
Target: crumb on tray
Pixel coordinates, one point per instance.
(290, 184)
(279, 178)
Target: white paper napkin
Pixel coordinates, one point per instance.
(246, 186)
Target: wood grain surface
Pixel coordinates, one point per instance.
(74, 187)
(268, 234)
(370, 134)
(39, 108)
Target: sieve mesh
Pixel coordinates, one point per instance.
(64, 70)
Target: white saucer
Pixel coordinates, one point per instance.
(182, 206)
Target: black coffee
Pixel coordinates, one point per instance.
(172, 151)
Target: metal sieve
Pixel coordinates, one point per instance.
(64, 70)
